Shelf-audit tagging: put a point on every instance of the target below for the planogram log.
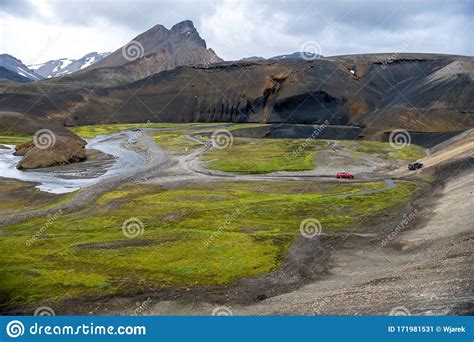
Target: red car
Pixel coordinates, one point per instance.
(344, 175)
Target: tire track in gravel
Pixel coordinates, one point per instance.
(192, 164)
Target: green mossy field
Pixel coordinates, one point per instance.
(254, 156)
(19, 197)
(175, 141)
(198, 234)
(265, 155)
(93, 131)
(8, 138)
(385, 150)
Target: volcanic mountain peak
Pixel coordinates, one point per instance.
(151, 52)
(156, 28)
(159, 35)
(183, 25)
(152, 37)
(187, 30)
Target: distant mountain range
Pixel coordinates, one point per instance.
(172, 74)
(66, 66)
(151, 52)
(6, 74)
(290, 56)
(14, 70)
(368, 91)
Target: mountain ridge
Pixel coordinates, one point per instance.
(155, 50)
(375, 92)
(66, 66)
(16, 66)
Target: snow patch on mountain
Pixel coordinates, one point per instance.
(66, 66)
(15, 65)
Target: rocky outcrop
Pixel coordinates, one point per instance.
(55, 144)
(21, 150)
(65, 150)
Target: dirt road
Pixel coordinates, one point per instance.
(419, 263)
(424, 268)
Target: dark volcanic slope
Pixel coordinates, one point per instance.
(420, 92)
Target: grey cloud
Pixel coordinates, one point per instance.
(374, 26)
(20, 8)
(137, 15)
(341, 27)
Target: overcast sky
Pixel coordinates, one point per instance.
(36, 31)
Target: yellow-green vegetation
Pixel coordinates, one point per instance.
(265, 155)
(269, 155)
(19, 197)
(10, 138)
(246, 125)
(175, 140)
(92, 131)
(385, 150)
(197, 234)
(172, 138)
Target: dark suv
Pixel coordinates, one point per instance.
(415, 166)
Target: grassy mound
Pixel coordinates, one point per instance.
(264, 156)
